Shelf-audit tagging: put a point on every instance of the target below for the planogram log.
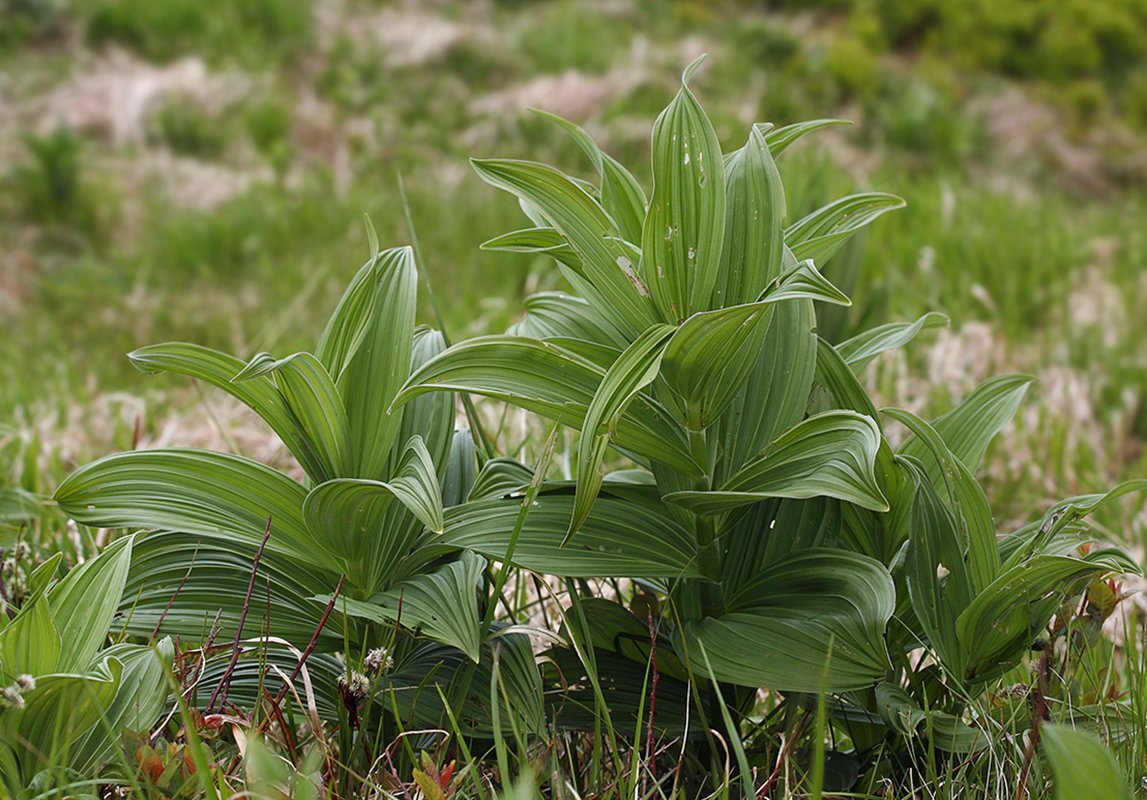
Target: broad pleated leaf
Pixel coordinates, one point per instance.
(776, 393)
(779, 139)
(550, 381)
(84, 602)
(634, 369)
(934, 542)
(681, 237)
(1081, 766)
(430, 417)
(443, 604)
(500, 477)
(967, 501)
(536, 240)
(778, 628)
(412, 687)
(805, 281)
(1067, 515)
(1000, 624)
(819, 235)
(352, 318)
(711, 356)
(846, 391)
(557, 315)
(618, 538)
(31, 644)
(56, 713)
(947, 732)
(606, 263)
(461, 469)
(349, 519)
(860, 349)
(159, 587)
(380, 365)
(831, 454)
(197, 491)
(621, 194)
(139, 701)
(259, 394)
(314, 401)
(755, 211)
(623, 199)
(968, 428)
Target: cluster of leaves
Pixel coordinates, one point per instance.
(777, 539)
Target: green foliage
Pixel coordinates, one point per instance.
(66, 697)
(805, 545)
(246, 31)
(49, 188)
(187, 129)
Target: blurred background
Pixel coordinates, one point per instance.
(182, 170)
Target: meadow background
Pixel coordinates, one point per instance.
(198, 172)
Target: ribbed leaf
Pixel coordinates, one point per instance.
(755, 211)
(550, 381)
(937, 601)
(779, 139)
(711, 356)
(804, 280)
(443, 604)
(412, 687)
(557, 315)
(85, 601)
(634, 369)
(619, 538)
(819, 235)
(315, 403)
(779, 627)
(159, 587)
(430, 417)
(380, 365)
(834, 374)
(56, 713)
(860, 349)
(949, 733)
(685, 223)
(1081, 766)
(776, 393)
(31, 644)
(259, 394)
(350, 322)
(500, 477)
(970, 511)
(1066, 516)
(536, 240)
(968, 428)
(606, 263)
(197, 491)
(139, 701)
(1000, 624)
(348, 519)
(621, 195)
(831, 454)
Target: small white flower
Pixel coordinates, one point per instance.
(26, 683)
(378, 660)
(358, 687)
(21, 550)
(10, 697)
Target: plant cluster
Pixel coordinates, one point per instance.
(732, 481)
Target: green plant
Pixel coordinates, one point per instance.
(778, 539)
(66, 698)
(359, 536)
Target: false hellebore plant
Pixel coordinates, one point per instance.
(765, 516)
(368, 517)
